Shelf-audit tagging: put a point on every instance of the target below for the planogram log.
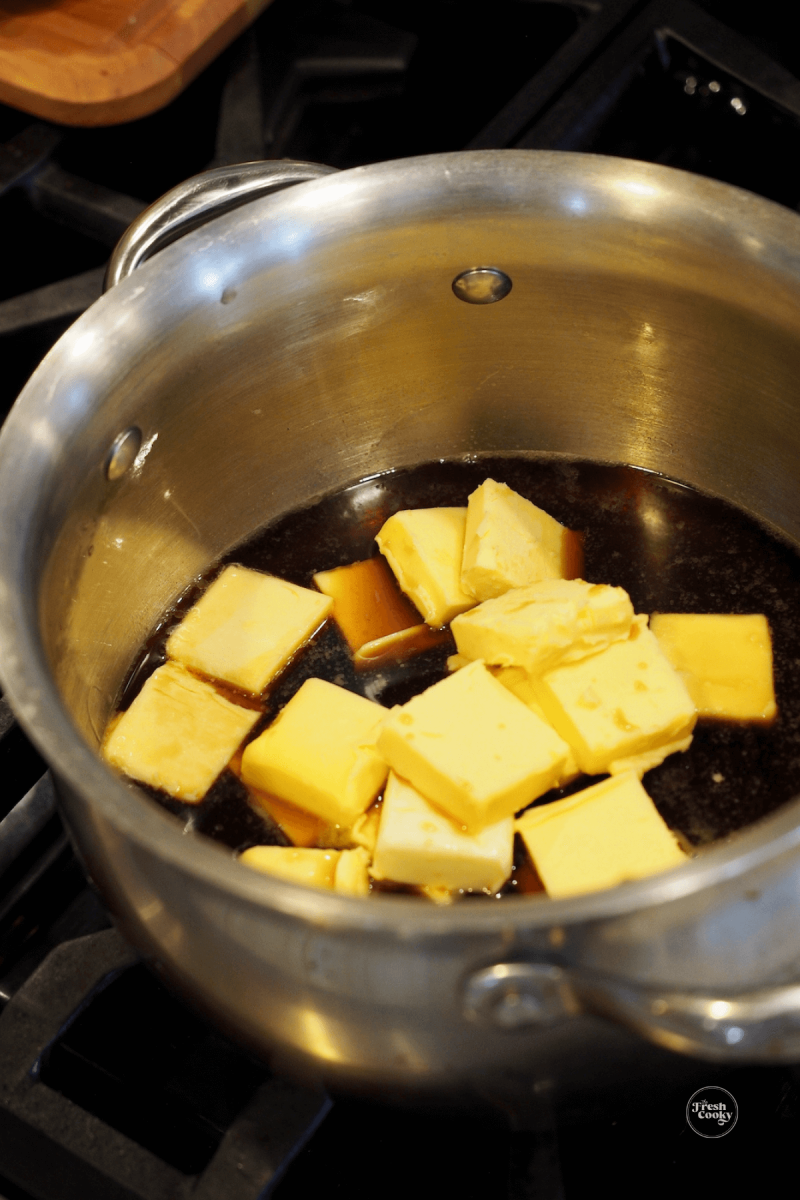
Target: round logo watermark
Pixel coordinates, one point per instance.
(712, 1112)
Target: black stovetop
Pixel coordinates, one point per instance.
(172, 1107)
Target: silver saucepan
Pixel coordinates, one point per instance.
(310, 338)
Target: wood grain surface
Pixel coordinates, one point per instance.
(102, 62)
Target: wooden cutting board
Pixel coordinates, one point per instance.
(101, 62)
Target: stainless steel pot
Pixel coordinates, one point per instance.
(310, 338)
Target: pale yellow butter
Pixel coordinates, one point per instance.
(472, 748)
(725, 660)
(320, 754)
(439, 895)
(424, 548)
(364, 832)
(625, 701)
(178, 734)
(519, 682)
(351, 876)
(418, 843)
(246, 627)
(299, 864)
(508, 542)
(535, 627)
(598, 838)
(344, 871)
(640, 764)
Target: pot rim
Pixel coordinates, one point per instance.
(28, 683)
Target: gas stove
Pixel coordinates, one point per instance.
(109, 1086)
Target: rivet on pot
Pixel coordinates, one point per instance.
(513, 995)
(482, 285)
(123, 451)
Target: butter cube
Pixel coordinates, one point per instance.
(508, 542)
(640, 764)
(724, 660)
(302, 828)
(351, 876)
(520, 684)
(315, 868)
(246, 627)
(424, 548)
(418, 844)
(439, 895)
(472, 748)
(598, 838)
(178, 735)
(365, 829)
(625, 701)
(536, 627)
(319, 753)
(342, 871)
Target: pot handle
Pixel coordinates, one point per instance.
(200, 199)
(757, 1026)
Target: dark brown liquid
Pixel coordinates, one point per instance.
(671, 548)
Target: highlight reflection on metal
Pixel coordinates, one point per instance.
(318, 1036)
(638, 188)
(512, 995)
(195, 202)
(123, 452)
(482, 285)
